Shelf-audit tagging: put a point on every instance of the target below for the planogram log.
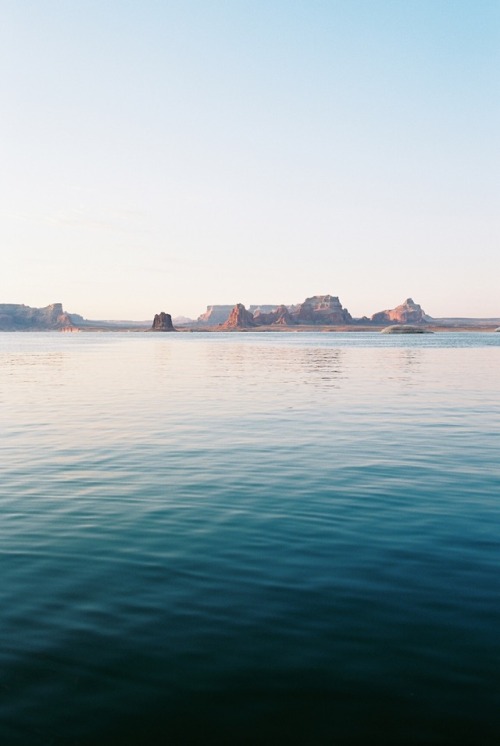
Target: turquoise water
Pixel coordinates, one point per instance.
(249, 538)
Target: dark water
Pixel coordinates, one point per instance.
(255, 539)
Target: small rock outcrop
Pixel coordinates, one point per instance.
(162, 322)
(239, 318)
(405, 329)
(408, 312)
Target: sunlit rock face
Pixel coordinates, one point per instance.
(162, 322)
(321, 309)
(408, 312)
(239, 318)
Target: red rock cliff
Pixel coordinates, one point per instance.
(239, 318)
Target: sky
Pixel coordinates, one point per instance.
(166, 155)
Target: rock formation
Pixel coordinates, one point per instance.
(321, 309)
(408, 312)
(16, 317)
(279, 316)
(215, 315)
(219, 314)
(239, 318)
(162, 322)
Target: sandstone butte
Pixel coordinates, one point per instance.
(162, 322)
(408, 312)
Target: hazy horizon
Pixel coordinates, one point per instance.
(169, 156)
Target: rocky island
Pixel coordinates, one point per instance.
(162, 322)
(405, 329)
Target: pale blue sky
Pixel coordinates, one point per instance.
(164, 155)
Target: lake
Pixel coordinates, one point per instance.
(257, 538)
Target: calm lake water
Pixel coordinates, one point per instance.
(249, 538)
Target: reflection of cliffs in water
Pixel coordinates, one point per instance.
(405, 366)
(323, 367)
(34, 365)
(246, 376)
(35, 379)
(276, 365)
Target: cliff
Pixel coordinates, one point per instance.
(408, 312)
(17, 317)
(239, 318)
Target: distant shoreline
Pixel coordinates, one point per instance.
(300, 329)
